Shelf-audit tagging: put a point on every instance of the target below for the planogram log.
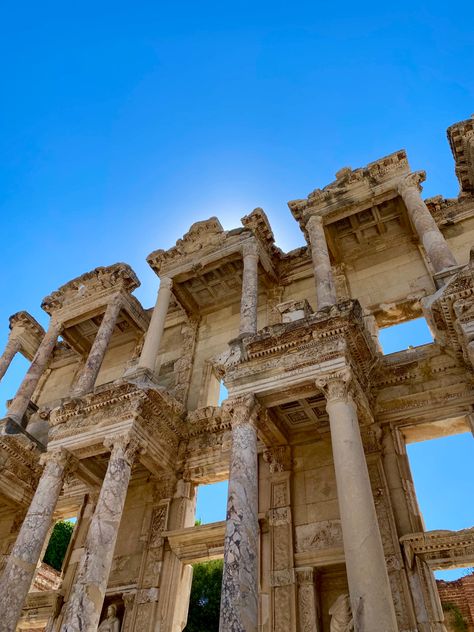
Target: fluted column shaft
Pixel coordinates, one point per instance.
(323, 276)
(239, 597)
(30, 381)
(249, 299)
(90, 371)
(21, 564)
(429, 234)
(154, 334)
(11, 348)
(87, 595)
(369, 587)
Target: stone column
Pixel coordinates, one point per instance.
(89, 373)
(22, 398)
(309, 616)
(154, 334)
(369, 587)
(87, 595)
(12, 347)
(249, 300)
(426, 228)
(323, 276)
(23, 559)
(239, 597)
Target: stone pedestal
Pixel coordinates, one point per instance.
(426, 228)
(239, 611)
(87, 596)
(12, 347)
(30, 381)
(323, 276)
(154, 334)
(88, 376)
(249, 300)
(23, 559)
(369, 587)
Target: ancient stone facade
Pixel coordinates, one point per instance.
(117, 420)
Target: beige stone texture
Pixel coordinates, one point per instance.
(312, 438)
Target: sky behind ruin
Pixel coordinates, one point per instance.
(123, 123)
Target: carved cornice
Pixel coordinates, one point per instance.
(440, 549)
(461, 140)
(209, 419)
(257, 222)
(201, 236)
(156, 411)
(28, 332)
(351, 186)
(103, 280)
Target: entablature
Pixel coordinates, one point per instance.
(440, 549)
(28, 331)
(461, 139)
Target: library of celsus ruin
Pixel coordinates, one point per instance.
(117, 420)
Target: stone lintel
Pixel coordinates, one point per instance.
(197, 544)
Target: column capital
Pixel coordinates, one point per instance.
(61, 457)
(127, 446)
(243, 409)
(250, 248)
(166, 283)
(305, 575)
(411, 181)
(278, 458)
(314, 220)
(336, 385)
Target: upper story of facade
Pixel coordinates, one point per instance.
(377, 254)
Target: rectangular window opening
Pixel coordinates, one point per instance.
(441, 471)
(406, 335)
(211, 504)
(205, 598)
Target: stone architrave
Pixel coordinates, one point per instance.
(22, 398)
(424, 223)
(87, 595)
(323, 275)
(369, 586)
(156, 327)
(249, 300)
(11, 349)
(239, 597)
(22, 562)
(90, 371)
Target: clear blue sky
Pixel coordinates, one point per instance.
(122, 123)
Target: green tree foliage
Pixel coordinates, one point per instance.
(205, 597)
(58, 543)
(458, 620)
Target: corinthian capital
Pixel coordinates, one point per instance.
(166, 283)
(336, 385)
(60, 457)
(250, 248)
(126, 446)
(412, 180)
(243, 409)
